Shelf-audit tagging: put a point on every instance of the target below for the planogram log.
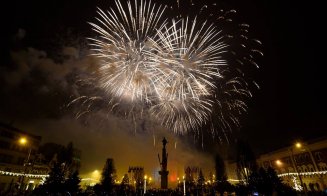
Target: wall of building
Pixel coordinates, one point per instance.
(17, 160)
(306, 163)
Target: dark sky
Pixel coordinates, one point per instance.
(290, 104)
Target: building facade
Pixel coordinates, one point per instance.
(18, 151)
(302, 166)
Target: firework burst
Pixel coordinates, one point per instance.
(184, 72)
(188, 56)
(122, 45)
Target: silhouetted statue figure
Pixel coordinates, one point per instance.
(164, 172)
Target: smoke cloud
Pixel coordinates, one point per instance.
(37, 89)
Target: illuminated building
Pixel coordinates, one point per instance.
(24, 164)
(136, 175)
(301, 166)
(18, 168)
(192, 174)
(305, 161)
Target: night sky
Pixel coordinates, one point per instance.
(40, 59)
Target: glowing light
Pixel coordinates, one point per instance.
(296, 185)
(278, 163)
(7, 173)
(95, 175)
(23, 141)
(293, 174)
(145, 178)
(184, 186)
(303, 173)
(298, 145)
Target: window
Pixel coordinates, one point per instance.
(322, 166)
(7, 134)
(4, 158)
(2, 186)
(20, 160)
(306, 157)
(290, 169)
(4, 145)
(318, 156)
(318, 187)
(311, 185)
(310, 168)
(304, 168)
(299, 169)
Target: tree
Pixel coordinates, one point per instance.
(266, 182)
(72, 183)
(98, 189)
(55, 182)
(125, 180)
(277, 184)
(221, 184)
(63, 175)
(66, 156)
(245, 160)
(124, 188)
(220, 169)
(200, 179)
(108, 176)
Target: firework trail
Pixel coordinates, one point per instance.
(234, 90)
(184, 72)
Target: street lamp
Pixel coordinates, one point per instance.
(149, 184)
(298, 145)
(145, 177)
(184, 187)
(23, 142)
(279, 163)
(305, 147)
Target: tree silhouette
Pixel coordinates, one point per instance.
(221, 183)
(201, 179)
(72, 183)
(68, 153)
(267, 182)
(245, 160)
(55, 182)
(108, 176)
(124, 188)
(125, 180)
(220, 169)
